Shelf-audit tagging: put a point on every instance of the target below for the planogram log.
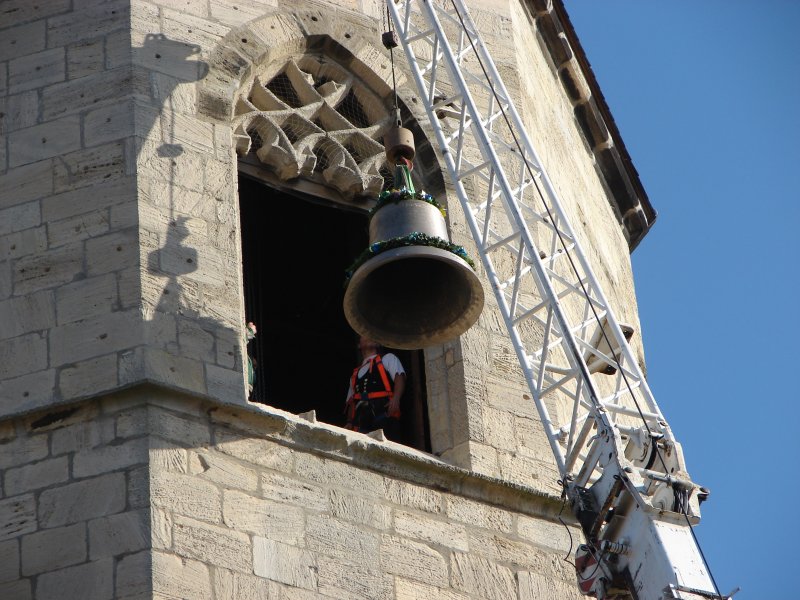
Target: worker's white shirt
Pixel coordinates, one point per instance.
(390, 362)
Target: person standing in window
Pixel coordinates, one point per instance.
(376, 388)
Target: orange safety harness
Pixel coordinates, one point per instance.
(386, 392)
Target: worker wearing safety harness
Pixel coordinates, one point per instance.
(376, 387)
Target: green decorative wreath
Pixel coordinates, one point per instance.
(412, 239)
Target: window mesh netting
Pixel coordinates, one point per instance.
(316, 120)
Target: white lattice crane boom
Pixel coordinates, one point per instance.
(621, 468)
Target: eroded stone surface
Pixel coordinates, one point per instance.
(120, 265)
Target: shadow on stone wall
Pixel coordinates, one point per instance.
(181, 334)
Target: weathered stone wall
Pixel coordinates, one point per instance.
(68, 223)
(146, 494)
(74, 503)
(119, 186)
(120, 267)
(86, 232)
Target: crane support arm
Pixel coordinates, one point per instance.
(622, 470)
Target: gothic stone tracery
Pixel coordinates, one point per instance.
(313, 119)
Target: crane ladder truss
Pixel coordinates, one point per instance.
(634, 510)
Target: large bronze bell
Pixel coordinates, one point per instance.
(415, 295)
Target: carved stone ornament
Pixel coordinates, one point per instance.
(314, 119)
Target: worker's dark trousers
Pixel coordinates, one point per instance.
(373, 415)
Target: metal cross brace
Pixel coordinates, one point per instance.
(532, 257)
(571, 349)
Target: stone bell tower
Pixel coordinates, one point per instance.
(169, 171)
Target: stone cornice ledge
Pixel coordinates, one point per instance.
(305, 434)
(613, 163)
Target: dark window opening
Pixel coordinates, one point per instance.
(322, 159)
(352, 110)
(295, 250)
(255, 137)
(388, 177)
(282, 87)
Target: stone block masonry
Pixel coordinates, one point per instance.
(146, 495)
(67, 502)
(120, 260)
(121, 307)
(82, 86)
(61, 137)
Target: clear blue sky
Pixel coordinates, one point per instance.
(706, 95)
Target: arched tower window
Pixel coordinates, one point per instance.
(311, 162)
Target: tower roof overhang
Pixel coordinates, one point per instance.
(614, 164)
